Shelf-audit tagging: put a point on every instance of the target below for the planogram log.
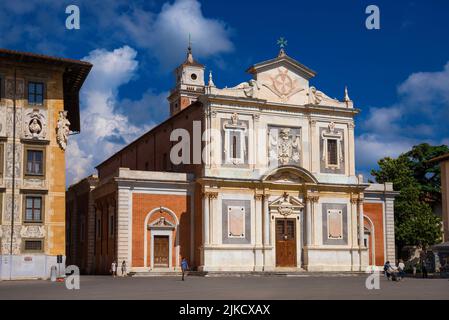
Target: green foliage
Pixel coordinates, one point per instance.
(419, 183)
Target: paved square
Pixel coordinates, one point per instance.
(228, 288)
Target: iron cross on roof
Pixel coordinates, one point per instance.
(282, 42)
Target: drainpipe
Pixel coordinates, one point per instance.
(13, 173)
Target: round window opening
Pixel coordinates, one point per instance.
(194, 76)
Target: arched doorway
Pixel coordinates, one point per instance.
(369, 240)
(161, 243)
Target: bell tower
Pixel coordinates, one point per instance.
(189, 84)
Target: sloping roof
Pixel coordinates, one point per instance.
(283, 57)
(75, 74)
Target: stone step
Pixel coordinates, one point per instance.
(217, 274)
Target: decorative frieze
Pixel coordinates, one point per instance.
(32, 232)
(10, 162)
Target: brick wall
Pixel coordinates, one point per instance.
(375, 213)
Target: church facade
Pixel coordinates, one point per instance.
(256, 177)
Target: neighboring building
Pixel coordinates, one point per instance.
(277, 190)
(41, 94)
(444, 165)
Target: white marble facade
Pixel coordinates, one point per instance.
(293, 145)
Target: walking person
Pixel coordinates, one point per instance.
(114, 268)
(184, 267)
(401, 269)
(387, 269)
(424, 269)
(123, 268)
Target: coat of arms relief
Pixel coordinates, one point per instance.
(284, 146)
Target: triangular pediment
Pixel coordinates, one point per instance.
(285, 61)
(286, 205)
(162, 224)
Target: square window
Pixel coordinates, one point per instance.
(35, 93)
(35, 162)
(33, 209)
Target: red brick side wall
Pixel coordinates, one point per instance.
(147, 153)
(143, 204)
(375, 212)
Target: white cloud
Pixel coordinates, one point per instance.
(162, 34)
(417, 117)
(166, 33)
(104, 130)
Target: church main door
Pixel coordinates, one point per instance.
(161, 251)
(286, 242)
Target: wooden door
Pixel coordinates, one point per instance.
(161, 251)
(286, 243)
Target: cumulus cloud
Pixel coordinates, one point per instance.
(417, 117)
(161, 33)
(105, 129)
(166, 33)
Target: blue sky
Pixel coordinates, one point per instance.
(398, 75)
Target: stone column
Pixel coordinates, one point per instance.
(351, 148)
(314, 148)
(354, 222)
(361, 226)
(206, 226)
(267, 241)
(124, 227)
(259, 217)
(315, 200)
(309, 221)
(213, 196)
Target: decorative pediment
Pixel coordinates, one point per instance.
(286, 205)
(289, 175)
(161, 224)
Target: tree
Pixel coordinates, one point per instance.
(418, 182)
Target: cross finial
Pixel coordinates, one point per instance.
(282, 42)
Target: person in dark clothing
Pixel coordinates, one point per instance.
(184, 267)
(424, 269)
(387, 269)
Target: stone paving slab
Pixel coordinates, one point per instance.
(228, 288)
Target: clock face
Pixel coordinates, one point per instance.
(193, 76)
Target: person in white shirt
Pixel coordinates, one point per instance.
(401, 269)
(114, 268)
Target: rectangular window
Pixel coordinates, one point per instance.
(236, 222)
(33, 209)
(35, 93)
(335, 224)
(35, 162)
(332, 152)
(33, 245)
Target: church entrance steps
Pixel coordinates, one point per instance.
(234, 274)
